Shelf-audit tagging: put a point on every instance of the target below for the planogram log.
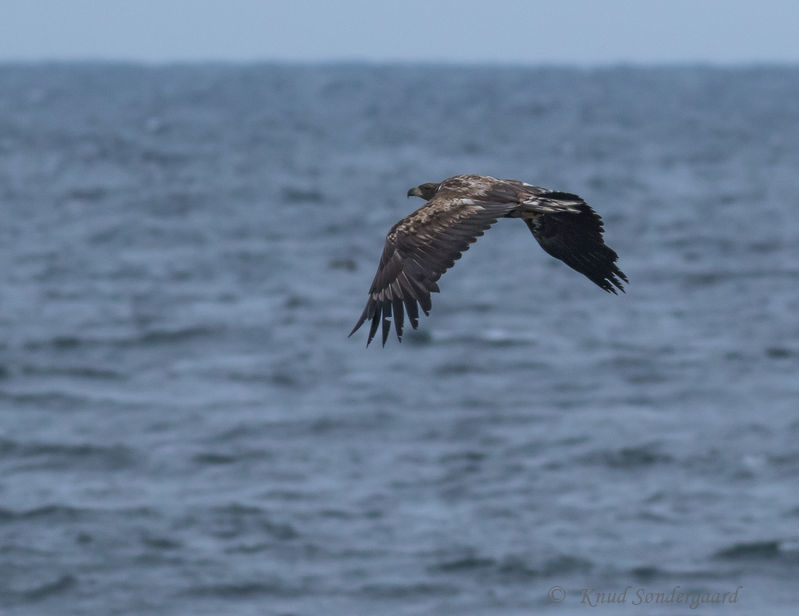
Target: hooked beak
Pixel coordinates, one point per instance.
(414, 192)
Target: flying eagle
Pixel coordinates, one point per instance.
(425, 244)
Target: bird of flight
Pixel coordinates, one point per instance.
(425, 244)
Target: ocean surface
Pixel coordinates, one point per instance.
(185, 427)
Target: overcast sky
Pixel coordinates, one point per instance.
(517, 31)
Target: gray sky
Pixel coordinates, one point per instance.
(535, 31)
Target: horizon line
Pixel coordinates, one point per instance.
(398, 62)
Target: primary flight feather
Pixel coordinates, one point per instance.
(425, 244)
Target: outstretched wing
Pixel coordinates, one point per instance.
(418, 250)
(569, 230)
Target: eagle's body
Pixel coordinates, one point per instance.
(423, 245)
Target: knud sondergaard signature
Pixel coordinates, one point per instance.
(642, 596)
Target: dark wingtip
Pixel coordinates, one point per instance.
(612, 284)
(615, 279)
(373, 327)
(386, 319)
(399, 317)
(381, 318)
(358, 324)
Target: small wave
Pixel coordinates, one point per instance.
(217, 458)
(238, 520)
(467, 563)
(67, 513)
(160, 543)
(515, 566)
(412, 589)
(498, 338)
(417, 337)
(81, 372)
(559, 565)
(249, 548)
(147, 337)
(454, 368)
(233, 590)
(348, 265)
(54, 512)
(749, 550)
(468, 457)
(65, 582)
(56, 342)
(776, 352)
(214, 458)
(88, 194)
(161, 336)
(111, 457)
(46, 399)
(296, 194)
(628, 457)
(647, 573)
(284, 379)
(565, 563)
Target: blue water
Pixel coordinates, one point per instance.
(186, 429)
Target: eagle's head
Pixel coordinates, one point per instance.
(425, 191)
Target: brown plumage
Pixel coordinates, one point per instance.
(425, 244)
